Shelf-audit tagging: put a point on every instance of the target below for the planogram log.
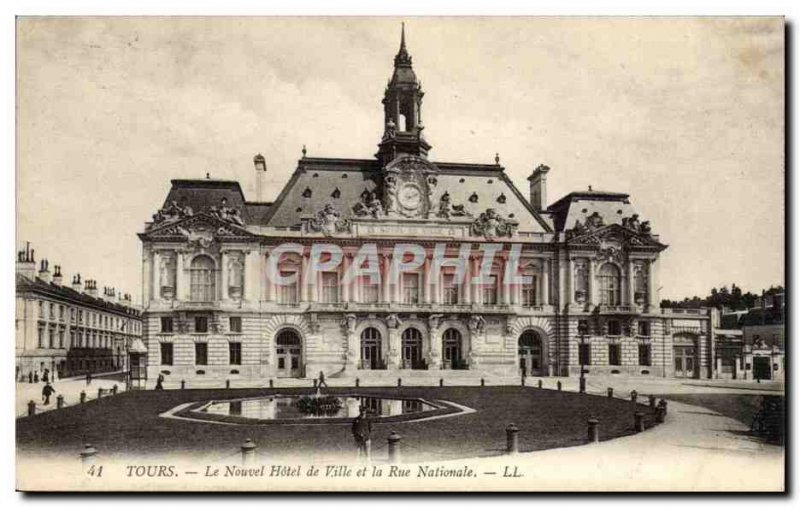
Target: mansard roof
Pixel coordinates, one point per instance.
(341, 182)
(203, 194)
(577, 206)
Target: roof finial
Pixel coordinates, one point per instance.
(402, 57)
(208, 176)
(304, 151)
(497, 158)
(590, 188)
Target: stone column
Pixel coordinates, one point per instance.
(652, 285)
(631, 289)
(395, 349)
(252, 270)
(304, 279)
(386, 287)
(353, 352)
(346, 260)
(546, 282)
(569, 286)
(427, 280)
(269, 286)
(505, 287)
(594, 292)
(465, 289)
(156, 275)
(224, 273)
(435, 354)
(181, 284)
(475, 288)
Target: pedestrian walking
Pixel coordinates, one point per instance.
(88, 378)
(322, 380)
(46, 375)
(30, 377)
(36, 377)
(47, 391)
(362, 430)
(160, 382)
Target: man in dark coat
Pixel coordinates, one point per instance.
(36, 377)
(160, 382)
(88, 378)
(322, 380)
(30, 377)
(47, 391)
(362, 429)
(46, 375)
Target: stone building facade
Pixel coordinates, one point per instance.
(69, 330)
(557, 286)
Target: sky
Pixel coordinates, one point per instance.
(684, 114)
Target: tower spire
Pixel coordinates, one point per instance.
(403, 59)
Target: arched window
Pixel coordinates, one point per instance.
(203, 278)
(287, 338)
(412, 348)
(452, 353)
(609, 279)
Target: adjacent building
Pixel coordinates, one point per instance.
(69, 329)
(215, 309)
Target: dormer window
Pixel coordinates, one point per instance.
(307, 193)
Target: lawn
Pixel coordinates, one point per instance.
(128, 424)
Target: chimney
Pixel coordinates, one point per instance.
(26, 264)
(91, 288)
(261, 176)
(44, 271)
(539, 187)
(76, 283)
(57, 278)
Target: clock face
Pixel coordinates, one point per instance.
(410, 196)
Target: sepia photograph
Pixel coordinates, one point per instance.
(400, 254)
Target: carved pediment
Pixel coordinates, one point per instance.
(611, 237)
(201, 228)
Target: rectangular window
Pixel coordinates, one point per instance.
(60, 312)
(585, 354)
(235, 352)
(490, 290)
(201, 324)
(61, 338)
(166, 354)
(41, 337)
(330, 287)
(166, 325)
(644, 354)
(287, 294)
(614, 328)
(236, 324)
(583, 327)
(614, 354)
(52, 337)
(52, 311)
(449, 290)
(529, 292)
(201, 353)
(370, 292)
(644, 328)
(411, 288)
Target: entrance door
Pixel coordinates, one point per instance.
(371, 350)
(452, 352)
(531, 360)
(761, 368)
(289, 353)
(685, 361)
(412, 349)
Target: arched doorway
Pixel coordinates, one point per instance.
(412, 349)
(531, 355)
(371, 349)
(289, 354)
(685, 355)
(453, 350)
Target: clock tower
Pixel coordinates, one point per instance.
(402, 111)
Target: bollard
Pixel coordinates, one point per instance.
(659, 414)
(83, 396)
(441, 382)
(582, 385)
(271, 383)
(610, 392)
(227, 384)
(394, 447)
(483, 382)
(31, 407)
(512, 439)
(99, 392)
(652, 400)
(558, 385)
(638, 422)
(634, 395)
(183, 384)
(88, 455)
(399, 382)
(248, 452)
(114, 389)
(315, 383)
(540, 383)
(663, 403)
(59, 401)
(594, 430)
(523, 381)
(357, 382)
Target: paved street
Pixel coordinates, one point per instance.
(70, 389)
